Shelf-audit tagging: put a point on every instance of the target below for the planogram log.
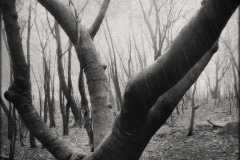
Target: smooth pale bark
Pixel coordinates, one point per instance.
(98, 21)
(94, 70)
(85, 106)
(97, 87)
(19, 92)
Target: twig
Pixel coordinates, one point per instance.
(215, 125)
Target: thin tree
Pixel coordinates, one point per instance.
(221, 67)
(194, 108)
(29, 27)
(67, 91)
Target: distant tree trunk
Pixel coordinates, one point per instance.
(63, 112)
(48, 106)
(45, 107)
(66, 89)
(113, 68)
(190, 130)
(39, 94)
(32, 139)
(13, 135)
(223, 66)
(52, 105)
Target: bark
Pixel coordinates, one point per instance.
(97, 86)
(19, 92)
(85, 106)
(4, 107)
(94, 70)
(52, 107)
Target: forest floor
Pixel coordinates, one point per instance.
(169, 143)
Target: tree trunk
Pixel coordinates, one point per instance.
(84, 104)
(94, 70)
(71, 102)
(190, 130)
(32, 138)
(136, 124)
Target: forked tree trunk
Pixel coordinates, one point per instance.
(139, 118)
(88, 57)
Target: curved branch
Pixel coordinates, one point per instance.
(98, 21)
(64, 16)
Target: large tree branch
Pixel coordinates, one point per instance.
(65, 17)
(98, 21)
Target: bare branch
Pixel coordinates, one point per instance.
(98, 21)
(215, 125)
(66, 20)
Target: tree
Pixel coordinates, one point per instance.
(140, 116)
(161, 29)
(194, 108)
(66, 89)
(29, 27)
